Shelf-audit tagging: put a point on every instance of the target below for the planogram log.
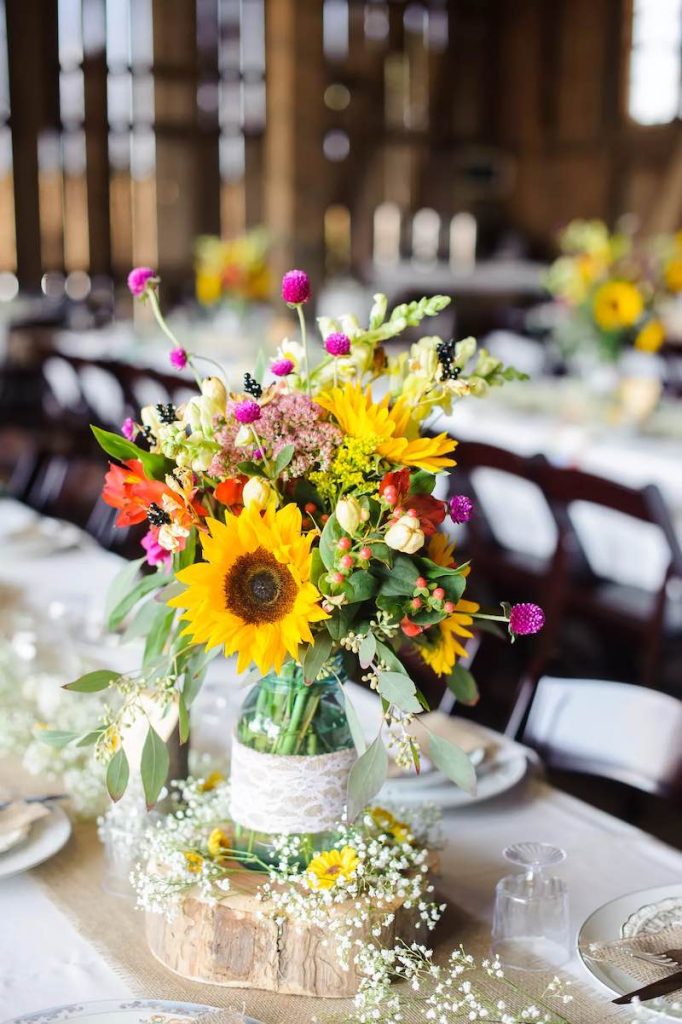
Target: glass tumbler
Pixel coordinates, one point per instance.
(531, 917)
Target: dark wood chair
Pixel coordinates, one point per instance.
(625, 608)
(611, 730)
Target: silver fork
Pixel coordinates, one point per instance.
(671, 958)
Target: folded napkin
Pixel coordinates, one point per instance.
(16, 821)
(619, 953)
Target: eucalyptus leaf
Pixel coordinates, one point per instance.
(146, 585)
(463, 685)
(118, 773)
(399, 689)
(367, 776)
(389, 657)
(93, 682)
(141, 622)
(368, 650)
(328, 540)
(121, 585)
(315, 656)
(57, 737)
(90, 738)
(153, 766)
(183, 719)
(158, 634)
(354, 723)
(260, 366)
(251, 468)
(284, 458)
(453, 762)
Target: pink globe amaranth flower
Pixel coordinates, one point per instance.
(178, 358)
(337, 344)
(461, 508)
(156, 555)
(139, 278)
(295, 287)
(282, 367)
(525, 619)
(128, 429)
(247, 412)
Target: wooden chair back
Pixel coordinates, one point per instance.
(612, 730)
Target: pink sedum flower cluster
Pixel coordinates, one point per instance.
(289, 418)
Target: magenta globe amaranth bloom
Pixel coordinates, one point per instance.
(282, 367)
(461, 508)
(128, 429)
(337, 344)
(247, 412)
(178, 358)
(139, 278)
(295, 287)
(525, 619)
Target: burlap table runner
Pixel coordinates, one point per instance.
(116, 929)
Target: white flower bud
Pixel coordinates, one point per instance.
(405, 535)
(214, 389)
(257, 491)
(244, 436)
(150, 418)
(348, 514)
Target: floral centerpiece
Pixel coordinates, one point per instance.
(293, 524)
(612, 290)
(233, 270)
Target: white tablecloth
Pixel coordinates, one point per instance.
(44, 961)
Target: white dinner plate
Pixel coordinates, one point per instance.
(609, 923)
(505, 771)
(41, 536)
(46, 837)
(115, 1011)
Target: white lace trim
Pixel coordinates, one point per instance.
(285, 794)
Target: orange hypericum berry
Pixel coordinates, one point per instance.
(337, 577)
(343, 543)
(310, 507)
(416, 603)
(347, 562)
(365, 553)
(420, 583)
(449, 607)
(439, 593)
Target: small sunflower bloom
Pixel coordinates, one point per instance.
(650, 337)
(617, 304)
(219, 844)
(211, 781)
(326, 869)
(194, 861)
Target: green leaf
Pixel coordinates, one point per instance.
(118, 773)
(155, 466)
(368, 650)
(183, 719)
(402, 578)
(360, 586)
(56, 737)
(330, 535)
(193, 669)
(186, 557)
(463, 685)
(399, 690)
(90, 738)
(143, 619)
(93, 682)
(260, 366)
(367, 776)
(158, 634)
(153, 766)
(422, 482)
(389, 657)
(121, 584)
(317, 566)
(354, 723)
(339, 624)
(146, 585)
(315, 656)
(251, 468)
(453, 762)
(284, 458)
(382, 553)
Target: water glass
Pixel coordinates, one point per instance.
(531, 928)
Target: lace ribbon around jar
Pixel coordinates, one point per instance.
(285, 794)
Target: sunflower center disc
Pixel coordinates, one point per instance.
(264, 587)
(258, 588)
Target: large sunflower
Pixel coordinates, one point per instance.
(439, 646)
(253, 593)
(397, 436)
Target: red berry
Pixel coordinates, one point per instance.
(390, 495)
(324, 518)
(420, 583)
(365, 554)
(416, 603)
(347, 562)
(439, 593)
(310, 507)
(343, 543)
(412, 512)
(449, 607)
(337, 577)
(306, 523)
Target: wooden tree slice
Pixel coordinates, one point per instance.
(234, 943)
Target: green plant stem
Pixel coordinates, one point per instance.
(304, 341)
(290, 736)
(158, 315)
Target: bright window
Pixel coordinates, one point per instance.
(655, 61)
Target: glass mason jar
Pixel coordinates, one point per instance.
(291, 757)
